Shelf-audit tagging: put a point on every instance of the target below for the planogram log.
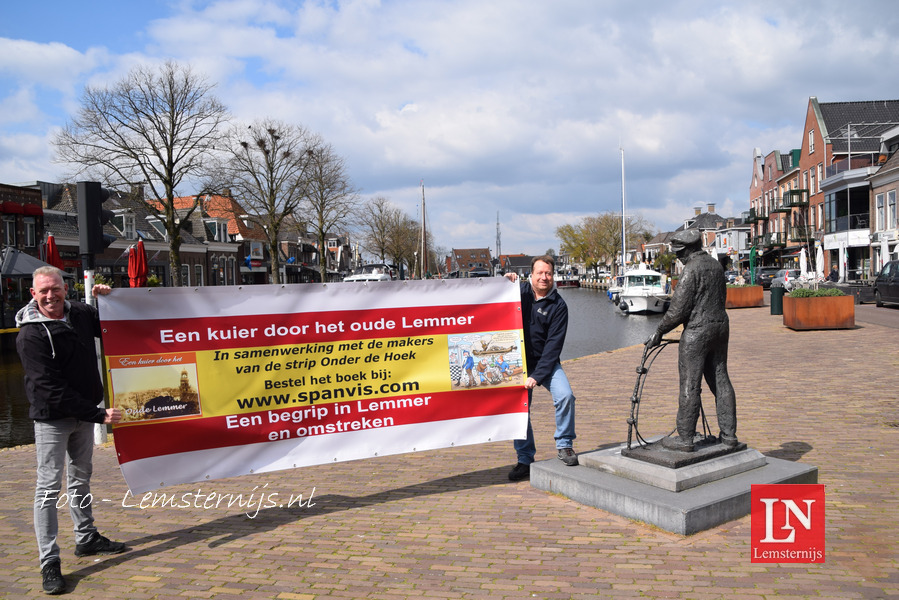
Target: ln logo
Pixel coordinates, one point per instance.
(788, 523)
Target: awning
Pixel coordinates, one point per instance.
(18, 264)
(10, 207)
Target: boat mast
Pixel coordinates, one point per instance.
(424, 235)
(623, 231)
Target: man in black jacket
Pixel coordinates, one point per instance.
(544, 316)
(59, 357)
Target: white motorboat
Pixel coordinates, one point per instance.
(615, 289)
(643, 292)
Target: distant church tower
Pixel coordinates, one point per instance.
(185, 384)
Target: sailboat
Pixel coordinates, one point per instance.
(641, 288)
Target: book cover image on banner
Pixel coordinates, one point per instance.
(156, 386)
(224, 381)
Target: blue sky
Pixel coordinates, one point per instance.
(508, 107)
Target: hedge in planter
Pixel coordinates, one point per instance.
(824, 308)
(744, 296)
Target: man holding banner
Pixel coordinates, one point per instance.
(544, 316)
(58, 352)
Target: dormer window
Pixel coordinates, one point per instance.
(159, 227)
(124, 222)
(216, 230)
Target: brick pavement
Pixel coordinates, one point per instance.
(448, 524)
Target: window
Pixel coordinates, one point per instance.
(820, 177)
(812, 175)
(30, 235)
(9, 231)
(891, 217)
(198, 274)
(159, 227)
(216, 230)
(805, 179)
(185, 275)
(878, 213)
(124, 222)
(811, 141)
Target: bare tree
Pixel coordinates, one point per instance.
(331, 200)
(267, 166)
(377, 220)
(156, 127)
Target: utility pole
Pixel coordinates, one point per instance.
(499, 245)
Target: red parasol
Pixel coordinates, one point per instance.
(53, 257)
(137, 265)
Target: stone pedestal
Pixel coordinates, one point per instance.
(683, 500)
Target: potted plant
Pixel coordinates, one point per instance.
(823, 308)
(744, 296)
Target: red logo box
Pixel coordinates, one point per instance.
(788, 523)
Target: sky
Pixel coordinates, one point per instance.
(507, 111)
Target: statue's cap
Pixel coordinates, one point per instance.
(687, 237)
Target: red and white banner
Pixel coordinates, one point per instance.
(222, 381)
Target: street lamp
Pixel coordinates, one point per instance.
(414, 268)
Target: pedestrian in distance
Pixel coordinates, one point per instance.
(544, 316)
(56, 343)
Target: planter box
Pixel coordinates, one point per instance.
(829, 312)
(744, 297)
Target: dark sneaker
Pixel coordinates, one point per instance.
(521, 471)
(567, 456)
(97, 544)
(53, 579)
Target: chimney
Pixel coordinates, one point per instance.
(711, 208)
(226, 192)
(698, 210)
(137, 191)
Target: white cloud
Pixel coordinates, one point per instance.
(516, 106)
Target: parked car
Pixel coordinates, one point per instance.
(731, 276)
(765, 276)
(786, 277)
(886, 285)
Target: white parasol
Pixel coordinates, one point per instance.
(819, 261)
(844, 259)
(803, 263)
(884, 250)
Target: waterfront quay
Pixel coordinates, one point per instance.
(448, 524)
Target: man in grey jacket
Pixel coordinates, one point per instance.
(698, 303)
(58, 352)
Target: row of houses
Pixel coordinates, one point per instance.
(221, 245)
(836, 192)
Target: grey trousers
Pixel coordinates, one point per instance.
(69, 444)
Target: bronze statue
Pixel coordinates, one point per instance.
(698, 303)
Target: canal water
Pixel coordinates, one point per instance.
(594, 325)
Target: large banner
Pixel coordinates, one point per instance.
(222, 381)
